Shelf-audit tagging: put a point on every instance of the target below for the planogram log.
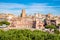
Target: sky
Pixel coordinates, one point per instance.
(31, 6)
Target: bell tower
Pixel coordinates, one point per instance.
(23, 13)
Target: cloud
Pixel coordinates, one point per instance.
(30, 9)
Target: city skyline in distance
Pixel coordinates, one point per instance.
(31, 7)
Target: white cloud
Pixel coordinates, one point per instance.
(30, 9)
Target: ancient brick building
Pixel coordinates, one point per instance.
(25, 21)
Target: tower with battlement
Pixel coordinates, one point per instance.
(23, 13)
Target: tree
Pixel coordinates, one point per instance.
(4, 22)
(56, 31)
(50, 26)
(15, 34)
(58, 25)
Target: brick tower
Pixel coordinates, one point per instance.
(23, 13)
